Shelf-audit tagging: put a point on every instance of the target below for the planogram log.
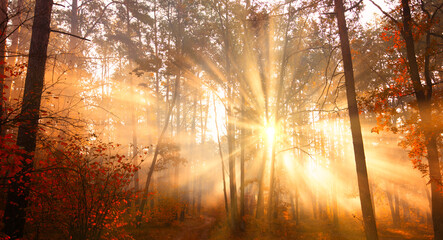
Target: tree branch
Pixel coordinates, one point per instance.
(70, 34)
(384, 13)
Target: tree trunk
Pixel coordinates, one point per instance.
(203, 124)
(423, 95)
(73, 41)
(260, 178)
(360, 161)
(134, 122)
(16, 23)
(156, 152)
(397, 206)
(242, 169)
(395, 220)
(230, 129)
(17, 199)
(335, 168)
(220, 151)
(231, 164)
(3, 26)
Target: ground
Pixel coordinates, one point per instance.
(208, 228)
(190, 229)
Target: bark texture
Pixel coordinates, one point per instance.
(15, 210)
(423, 95)
(357, 139)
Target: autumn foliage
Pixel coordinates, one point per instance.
(80, 188)
(393, 102)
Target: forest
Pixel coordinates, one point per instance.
(221, 119)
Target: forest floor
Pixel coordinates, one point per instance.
(189, 229)
(208, 228)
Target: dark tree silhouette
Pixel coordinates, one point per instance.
(17, 199)
(357, 139)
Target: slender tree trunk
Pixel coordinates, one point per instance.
(242, 169)
(260, 211)
(334, 192)
(73, 41)
(405, 207)
(16, 24)
(272, 192)
(179, 45)
(232, 172)
(334, 155)
(132, 107)
(360, 160)
(134, 136)
(293, 206)
(428, 215)
(391, 200)
(423, 95)
(397, 205)
(275, 124)
(220, 151)
(157, 77)
(156, 152)
(193, 149)
(3, 26)
(17, 199)
(203, 124)
(230, 129)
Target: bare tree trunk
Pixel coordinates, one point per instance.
(397, 205)
(17, 199)
(231, 164)
(192, 162)
(156, 152)
(428, 215)
(220, 151)
(134, 136)
(3, 26)
(73, 41)
(391, 200)
(16, 23)
(360, 160)
(157, 77)
(423, 95)
(260, 211)
(333, 155)
(242, 169)
(230, 129)
(132, 107)
(203, 140)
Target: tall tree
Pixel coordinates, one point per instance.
(17, 199)
(357, 139)
(3, 25)
(423, 94)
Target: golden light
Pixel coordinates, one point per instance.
(270, 134)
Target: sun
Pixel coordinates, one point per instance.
(269, 133)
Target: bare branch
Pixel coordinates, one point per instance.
(385, 13)
(70, 34)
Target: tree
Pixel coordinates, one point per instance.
(414, 40)
(17, 199)
(360, 160)
(423, 95)
(3, 86)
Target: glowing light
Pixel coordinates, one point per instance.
(270, 133)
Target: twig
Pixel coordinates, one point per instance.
(70, 34)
